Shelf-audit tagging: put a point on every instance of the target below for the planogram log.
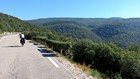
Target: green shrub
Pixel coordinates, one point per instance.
(110, 60)
(80, 52)
(130, 66)
(117, 76)
(61, 47)
(106, 59)
(96, 74)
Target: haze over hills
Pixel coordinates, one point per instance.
(123, 32)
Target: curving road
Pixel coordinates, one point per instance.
(28, 62)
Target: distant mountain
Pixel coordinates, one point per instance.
(116, 18)
(73, 29)
(108, 59)
(88, 22)
(123, 32)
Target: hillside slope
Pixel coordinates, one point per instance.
(12, 24)
(123, 32)
(110, 60)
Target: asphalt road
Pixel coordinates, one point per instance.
(28, 62)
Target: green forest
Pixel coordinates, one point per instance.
(100, 50)
(122, 32)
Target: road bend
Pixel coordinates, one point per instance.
(28, 62)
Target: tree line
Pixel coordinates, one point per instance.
(110, 60)
(122, 32)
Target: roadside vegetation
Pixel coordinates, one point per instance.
(104, 60)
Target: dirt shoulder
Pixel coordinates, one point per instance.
(74, 69)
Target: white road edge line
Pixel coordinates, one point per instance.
(50, 60)
(53, 62)
(1, 38)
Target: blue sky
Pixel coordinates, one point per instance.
(34, 9)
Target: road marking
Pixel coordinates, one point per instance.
(1, 38)
(50, 59)
(53, 62)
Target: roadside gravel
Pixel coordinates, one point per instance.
(28, 63)
(72, 68)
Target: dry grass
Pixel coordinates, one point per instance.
(85, 68)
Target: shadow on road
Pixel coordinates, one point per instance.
(47, 53)
(13, 46)
(43, 50)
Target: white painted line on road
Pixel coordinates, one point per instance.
(53, 62)
(50, 59)
(1, 38)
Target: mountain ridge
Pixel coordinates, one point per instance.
(121, 31)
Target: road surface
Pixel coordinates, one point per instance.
(28, 62)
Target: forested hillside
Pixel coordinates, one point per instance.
(111, 61)
(12, 24)
(123, 32)
(104, 60)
